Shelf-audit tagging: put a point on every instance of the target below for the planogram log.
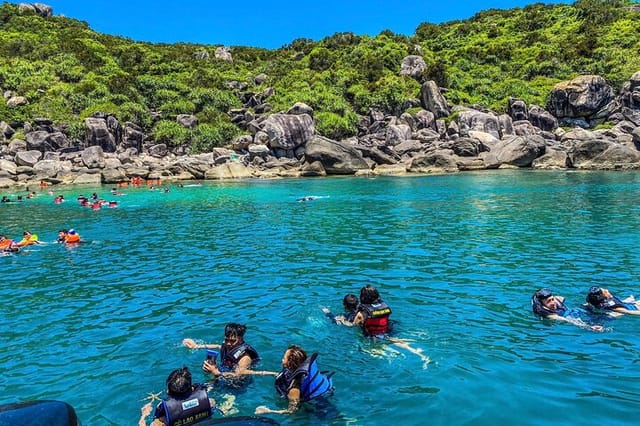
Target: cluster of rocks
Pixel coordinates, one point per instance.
(586, 126)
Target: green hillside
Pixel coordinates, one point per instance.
(68, 72)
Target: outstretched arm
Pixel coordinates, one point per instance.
(191, 344)
(243, 369)
(627, 311)
(576, 321)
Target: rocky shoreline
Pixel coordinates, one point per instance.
(587, 127)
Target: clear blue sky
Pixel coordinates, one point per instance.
(267, 23)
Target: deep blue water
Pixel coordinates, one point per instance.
(457, 257)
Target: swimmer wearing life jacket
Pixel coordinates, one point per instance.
(185, 404)
(300, 380)
(236, 357)
(600, 300)
(7, 245)
(350, 305)
(373, 313)
(68, 236)
(549, 306)
(28, 239)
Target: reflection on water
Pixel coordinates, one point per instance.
(456, 257)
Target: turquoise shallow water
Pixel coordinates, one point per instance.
(457, 257)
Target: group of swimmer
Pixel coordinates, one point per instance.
(598, 301)
(8, 246)
(299, 380)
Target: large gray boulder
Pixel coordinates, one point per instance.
(413, 66)
(473, 120)
(337, 158)
(518, 151)
(98, 134)
(600, 154)
(93, 157)
(583, 96)
(288, 131)
(432, 100)
(27, 158)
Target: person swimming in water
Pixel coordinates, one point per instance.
(300, 380)
(350, 305)
(372, 315)
(185, 403)
(236, 357)
(549, 306)
(601, 300)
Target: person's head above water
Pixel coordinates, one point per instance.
(234, 333)
(350, 302)
(179, 382)
(598, 295)
(293, 357)
(369, 295)
(544, 303)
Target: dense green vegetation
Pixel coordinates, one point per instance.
(68, 71)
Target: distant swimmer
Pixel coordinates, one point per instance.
(68, 236)
(600, 300)
(307, 198)
(550, 306)
(28, 239)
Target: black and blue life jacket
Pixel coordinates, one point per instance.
(229, 358)
(313, 382)
(186, 411)
(610, 304)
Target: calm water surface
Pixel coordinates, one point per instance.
(457, 257)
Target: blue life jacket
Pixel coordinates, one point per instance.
(185, 411)
(229, 358)
(313, 382)
(610, 304)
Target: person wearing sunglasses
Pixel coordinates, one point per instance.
(550, 306)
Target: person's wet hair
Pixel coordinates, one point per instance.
(350, 302)
(595, 296)
(233, 329)
(543, 293)
(369, 295)
(179, 381)
(297, 356)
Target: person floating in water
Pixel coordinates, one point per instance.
(350, 305)
(299, 381)
(185, 403)
(28, 239)
(307, 198)
(7, 245)
(372, 314)
(68, 236)
(600, 300)
(236, 357)
(547, 305)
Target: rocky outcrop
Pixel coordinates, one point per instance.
(427, 136)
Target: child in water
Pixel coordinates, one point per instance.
(372, 315)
